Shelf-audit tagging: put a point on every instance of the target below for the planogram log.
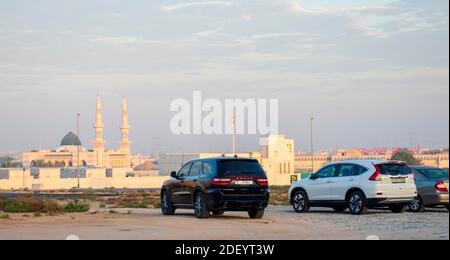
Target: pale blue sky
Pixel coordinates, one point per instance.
(374, 73)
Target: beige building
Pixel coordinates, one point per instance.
(276, 157)
(71, 153)
(303, 163)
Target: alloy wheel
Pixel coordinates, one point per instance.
(356, 203)
(415, 205)
(165, 202)
(299, 202)
(198, 206)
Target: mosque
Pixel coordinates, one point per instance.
(71, 152)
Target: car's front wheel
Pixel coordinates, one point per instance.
(256, 214)
(300, 202)
(417, 205)
(200, 208)
(166, 206)
(398, 208)
(357, 203)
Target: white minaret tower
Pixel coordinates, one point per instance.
(99, 142)
(125, 143)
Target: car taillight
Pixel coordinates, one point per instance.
(263, 182)
(441, 187)
(377, 176)
(221, 182)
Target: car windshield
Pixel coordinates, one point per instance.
(240, 168)
(434, 174)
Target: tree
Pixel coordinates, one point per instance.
(406, 156)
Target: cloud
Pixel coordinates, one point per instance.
(124, 40)
(247, 18)
(296, 7)
(277, 35)
(192, 4)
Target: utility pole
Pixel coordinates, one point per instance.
(23, 179)
(78, 151)
(312, 145)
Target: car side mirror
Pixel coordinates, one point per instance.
(174, 175)
(314, 177)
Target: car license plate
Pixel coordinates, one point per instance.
(398, 180)
(244, 182)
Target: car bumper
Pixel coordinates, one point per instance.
(381, 202)
(217, 200)
(436, 199)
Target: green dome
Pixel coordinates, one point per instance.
(70, 139)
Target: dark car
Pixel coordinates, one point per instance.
(217, 185)
(432, 185)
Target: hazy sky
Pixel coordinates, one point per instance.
(373, 73)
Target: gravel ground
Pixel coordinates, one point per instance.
(280, 223)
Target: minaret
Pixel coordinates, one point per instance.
(99, 143)
(125, 143)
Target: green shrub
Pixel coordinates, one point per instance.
(77, 207)
(30, 205)
(157, 204)
(279, 196)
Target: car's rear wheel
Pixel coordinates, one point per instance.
(417, 205)
(200, 208)
(300, 202)
(357, 203)
(339, 209)
(218, 212)
(398, 208)
(256, 214)
(166, 206)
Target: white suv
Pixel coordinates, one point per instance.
(356, 185)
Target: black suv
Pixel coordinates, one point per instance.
(217, 185)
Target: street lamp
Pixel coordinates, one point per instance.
(312, 145)
(78, 150)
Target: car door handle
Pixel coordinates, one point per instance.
(328, 182)
(351, 180)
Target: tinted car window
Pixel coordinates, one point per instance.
(434, 174)
(208, 168)
(185, 170)
(394, 169)
(327, 172)
(196, 169)
(361, 170)
(347, 170)
(240, 168)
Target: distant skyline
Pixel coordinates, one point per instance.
(373, 73)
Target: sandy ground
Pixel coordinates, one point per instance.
(280, 223)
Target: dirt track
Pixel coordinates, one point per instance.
(279, 223)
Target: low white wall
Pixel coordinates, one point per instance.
(49, 179)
